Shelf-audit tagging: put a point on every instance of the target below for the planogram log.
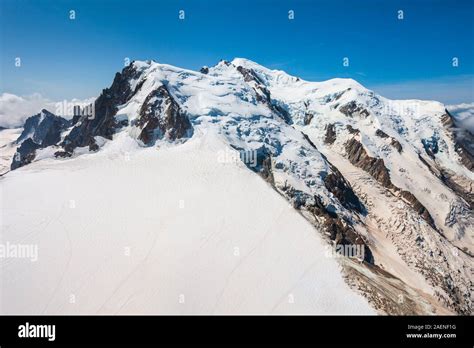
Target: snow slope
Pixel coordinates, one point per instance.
(7, 147)
(389, 176)
(410, 122)
(201, 236)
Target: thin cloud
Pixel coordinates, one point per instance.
(464, 115)
(14, 109)
(448, 90)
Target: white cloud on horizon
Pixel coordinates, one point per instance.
(14, 109)
(464, 115)
(447, 90)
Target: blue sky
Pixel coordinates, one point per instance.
(409, 58)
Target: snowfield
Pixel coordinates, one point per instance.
(7, 147)
(144, 206)
(162, 231)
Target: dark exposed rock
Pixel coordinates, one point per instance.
(436, 173)
(353, 109)
(307, 118)
(396, 144)
(263, 94)
(380, 133)
(161, 116)
(342, 190)
(464, 147)
(352, 130)
(463, 140)
(62, 154)
(339, 186)
(44, 129)
(93, 145)
(330, 137)
(204, 70)
(463, 191)
(317, 208)
(102, 122)
(40, 131)
(431, 146)
(418, 207)
(448, 179)
(376, 167)
(340, 94)
(339, 231)
(266, 169)
(259, 161)
(447, 120)
(282, 112)
(333, 96)
(80, 112)
(25, 154)
(466, 155)
(249, 75)
(309, 141)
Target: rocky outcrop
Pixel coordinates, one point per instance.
(259, 161)
(376, 168)
(353, 109)
(335, 183)
(393, 142)
(330, 136)
(307, 118)
(463, 141)
(380, 133)
(467, 158)
(431, 146)
(263, 94)
(161, 117)
(462, 186)
(396, 144)
(40, 131)
(352, 130)
(342, 190)
(101, 120)
(266, 170)
(459, 184)
(25, 154)
(44, 129)
(339, 231)
(417, 206)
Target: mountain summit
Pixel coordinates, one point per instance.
(391, 179)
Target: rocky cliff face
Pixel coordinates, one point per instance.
(392, 178)
(40, 131)
(100, 121)
(160, 116)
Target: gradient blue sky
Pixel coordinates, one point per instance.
(410, 58)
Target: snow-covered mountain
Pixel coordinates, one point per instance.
(391, 179)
